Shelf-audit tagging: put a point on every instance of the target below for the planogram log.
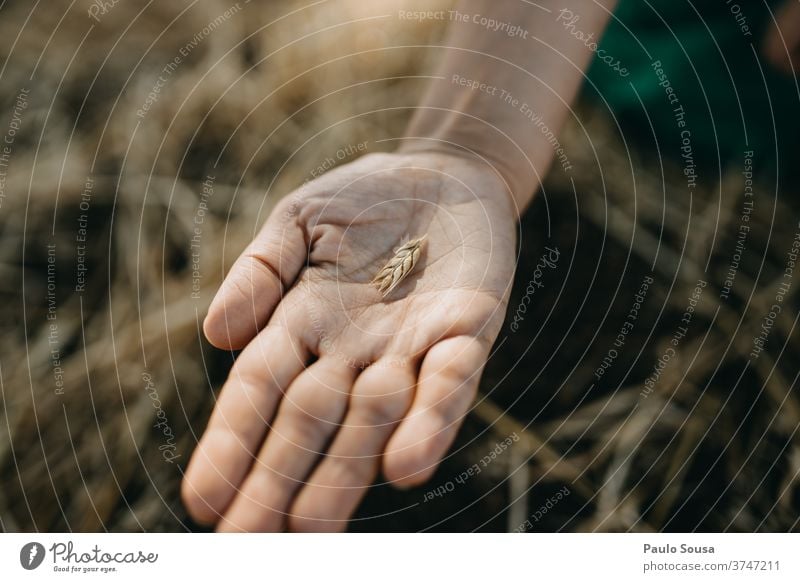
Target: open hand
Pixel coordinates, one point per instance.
(337, 382)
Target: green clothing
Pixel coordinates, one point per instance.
(709, 54)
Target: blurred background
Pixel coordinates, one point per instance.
(144, 143)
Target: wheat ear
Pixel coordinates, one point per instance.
(399, 266)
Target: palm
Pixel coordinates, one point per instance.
(462, 277)
(421, 347)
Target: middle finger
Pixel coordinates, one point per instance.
(309, 414)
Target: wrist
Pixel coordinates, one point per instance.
(518, 185)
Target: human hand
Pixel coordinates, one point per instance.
(781, 44)
(337, 382)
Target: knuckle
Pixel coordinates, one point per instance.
(449, 412)
(250, 387)
(305, 426)
(352, 472)
(450, 400)
(240, 285)
(311, 419)
(315, 401)
(381, 409)
(311, 207)
(256, 269)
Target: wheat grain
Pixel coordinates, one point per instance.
(399, 266)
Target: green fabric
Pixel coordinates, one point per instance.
(686, 42)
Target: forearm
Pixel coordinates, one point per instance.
(500, 93)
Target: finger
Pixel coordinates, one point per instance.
(309, 414)
(381, 397)
(258, 379)
(447, 385)
(257, 281)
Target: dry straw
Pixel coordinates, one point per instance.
(399, 266)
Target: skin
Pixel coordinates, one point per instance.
(336, 384)
(435, 328)
(781, 45)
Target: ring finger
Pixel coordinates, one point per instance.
(381, 396)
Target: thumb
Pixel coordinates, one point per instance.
(258, 279)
